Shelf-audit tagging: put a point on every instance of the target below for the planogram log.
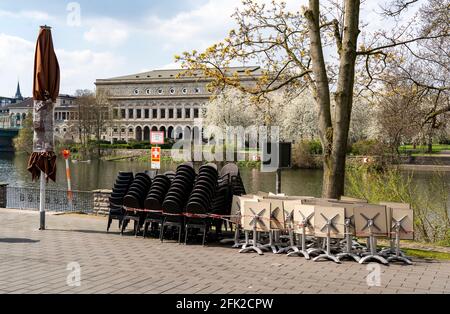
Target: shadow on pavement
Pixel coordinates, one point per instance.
(14, 240)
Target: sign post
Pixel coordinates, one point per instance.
(156, 158)
(156, 138)
(66, 155)
(283, 157)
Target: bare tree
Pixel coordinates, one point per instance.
(293, 47)
(94, 115)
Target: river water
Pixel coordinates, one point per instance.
(102, 174)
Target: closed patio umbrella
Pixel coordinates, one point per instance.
(42, 163)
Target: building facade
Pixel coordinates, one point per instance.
(66, 116)
(159, 101)
(139, 104)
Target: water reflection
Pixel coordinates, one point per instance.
(101, 175)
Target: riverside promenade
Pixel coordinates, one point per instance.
(32, 261)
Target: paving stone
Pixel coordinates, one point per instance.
(111, 263)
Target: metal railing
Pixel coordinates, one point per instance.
(55, 200)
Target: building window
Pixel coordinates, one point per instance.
(155, 113)
(116, 130)
(147, 114)
(139, 114)
(136, 91)
(179, 114)
(184, 90)
(196, 113)
(130, 113)
(148, 91)
(160, 91)
(170, 113)
(64, 130)
(188, 113)
(56, 116)
(123, 113)
(64, 116)
(130, 131)
(172, 91)
(197, 90)
(163, 113)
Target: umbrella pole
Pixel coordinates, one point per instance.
(42, 202)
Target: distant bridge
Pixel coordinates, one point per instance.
(6, 139)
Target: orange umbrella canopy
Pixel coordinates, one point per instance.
(46, 68)
(45, 92)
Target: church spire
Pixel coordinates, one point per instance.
(18, 93)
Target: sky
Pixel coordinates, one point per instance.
(97, 39)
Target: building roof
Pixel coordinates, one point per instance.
(25, 104)
(28, 103)
(18, 93)
(172, 74)
(7, 98)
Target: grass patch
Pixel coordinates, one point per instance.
(421, 150)
(427, 254)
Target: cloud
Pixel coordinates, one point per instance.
(16, 61)
(198, 27)
(33, 15)
(79, 68)
(106, 31)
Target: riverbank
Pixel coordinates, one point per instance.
(423, 168)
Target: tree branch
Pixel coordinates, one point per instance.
(395, 44)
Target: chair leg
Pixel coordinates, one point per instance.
(146, 225)
(204, 234)
(109, 223)
(180, 228)
(136, 228)
(124, 225)
(161, 234)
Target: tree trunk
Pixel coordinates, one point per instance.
(430, 136)
(334, 137)
(321, 90)
(344, 99)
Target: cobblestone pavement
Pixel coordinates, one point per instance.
(32, 261)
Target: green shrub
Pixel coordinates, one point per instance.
(315, 147)
(367, 148)
(429, 201)
(304, 155)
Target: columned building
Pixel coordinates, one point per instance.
(159, 100)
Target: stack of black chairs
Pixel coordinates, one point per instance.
(116, 200)
(229, 184)
(237, 185)
(176, 199)
(154, 201)
(135, 199)
(201, 199)
(181, 200)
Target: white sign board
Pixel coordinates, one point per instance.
(157, 138)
